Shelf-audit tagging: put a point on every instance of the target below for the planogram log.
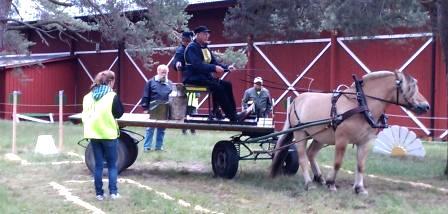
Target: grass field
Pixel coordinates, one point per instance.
(179, 180)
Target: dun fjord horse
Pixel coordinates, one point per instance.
(353, 115)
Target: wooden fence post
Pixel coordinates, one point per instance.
(61, 119)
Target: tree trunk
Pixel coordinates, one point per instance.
(442, 25)
(5, 7)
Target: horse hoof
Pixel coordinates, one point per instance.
(332, 188)
(310, 186)
(319, 180)
(359, 190)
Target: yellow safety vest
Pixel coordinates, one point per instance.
(97, 117)
(193, 100)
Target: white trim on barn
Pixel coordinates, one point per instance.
(85, 69)
(411, 59)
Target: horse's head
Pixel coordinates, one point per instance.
(408, 95)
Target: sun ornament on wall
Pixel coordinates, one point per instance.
(398, 141)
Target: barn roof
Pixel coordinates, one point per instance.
(23, 60)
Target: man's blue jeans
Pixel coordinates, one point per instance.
(159, 138)
(105, 149)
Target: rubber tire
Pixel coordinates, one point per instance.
(132, 147)
(225, 160)
(121, 157)
(291, 164)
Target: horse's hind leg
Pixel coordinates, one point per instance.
(361, 154)
(312, 152)
(303, 159)
(338, 157)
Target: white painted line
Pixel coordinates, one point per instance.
(63, 191)
(443, 134)
(136, 105)
(360, 63)
(36, 54)
(416, 121)
(228, 45)
(272, 66)
(415, 55)
(367, 70)
(26, 163)
(15, 158)
(96, 52)
(136, 66)
(303, 74)
(25, 117)
(166, 196)
(113, 63)
(411, 183)
(393, 36)
(312, 63)
(85, 69)
(161, 194)
(301, 41)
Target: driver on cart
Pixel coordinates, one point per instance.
(201, 68)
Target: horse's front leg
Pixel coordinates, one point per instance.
(361, 154)
(303, 160)
(338, 157)
(312, 152)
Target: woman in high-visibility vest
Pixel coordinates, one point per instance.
(100, 107)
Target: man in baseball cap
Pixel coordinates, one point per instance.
(259, 96)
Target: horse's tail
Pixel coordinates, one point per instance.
(280, 155)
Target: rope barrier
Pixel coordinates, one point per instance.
(126, 104)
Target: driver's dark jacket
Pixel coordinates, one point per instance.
(196, 69)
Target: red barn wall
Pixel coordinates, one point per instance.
(334, 67)
(39, 87)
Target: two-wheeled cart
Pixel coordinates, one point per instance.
(253, 143)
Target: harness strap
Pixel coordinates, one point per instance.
(337, 119)
(295, 113)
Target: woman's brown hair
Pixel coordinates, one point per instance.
(103, 78)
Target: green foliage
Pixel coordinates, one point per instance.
(15, 42)
(152, 24)
(272, 19)
(230, 56)
(368, 17)
(284, 19)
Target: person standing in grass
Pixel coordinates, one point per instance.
(157, 90)
(100, 107)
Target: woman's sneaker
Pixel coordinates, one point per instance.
(100, 197)
(115, 196)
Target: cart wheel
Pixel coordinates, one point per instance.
(291, 164)
(121, 157)
(131, 145)
(225, 159)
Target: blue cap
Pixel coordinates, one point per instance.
(187, 34)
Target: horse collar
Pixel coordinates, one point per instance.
(362, 107)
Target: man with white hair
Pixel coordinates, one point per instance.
(259, 96)
(157, 90)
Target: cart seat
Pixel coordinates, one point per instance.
(189, 89)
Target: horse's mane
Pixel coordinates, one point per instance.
(376, 75)
(409, 86)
